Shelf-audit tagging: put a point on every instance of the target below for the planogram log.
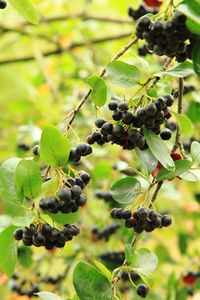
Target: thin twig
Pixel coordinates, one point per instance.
(164, 68)
(60, 50)
(82, 16)
(178, 143)
(85, 97)
(119, 274)
(47, 78)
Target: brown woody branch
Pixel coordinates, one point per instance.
(82, 16)
(62, 50)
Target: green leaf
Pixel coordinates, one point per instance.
(193, 111)
(181, 70)
(24, 220)
(25, 256)
(146, 276)
(90, 284)
(54, 147)
(28, 178)
(193, 26)
(144, 259)
(49, 296)
(184, 122)
(195, 151)
(182, 242)
(148, 161)
(7, 180)
(26, 9)
(181, 165)
(159, 149)
(103, 269)
(5, 221)
(123, 74)
(126, 190)
(129, 252)
(182, 294)
(191, 175)
(99, 90)
(8, 250)
(191, 9)
(102, 170)
(66, 218)
(196, 58)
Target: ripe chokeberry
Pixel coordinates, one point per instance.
(142, 290)
(166, 134)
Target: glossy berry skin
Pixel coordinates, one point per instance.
(142, 212)
(3, 4)
(82, 148)
(107, 128)
(166, 134)
(85, 177)
(36, 149)
(166, 221)
(123, 106)
(142, 290)
(99, 122)
(169, 100)
(18, 233)
(76, 191)
(39, 239)
(117, 115)
(113, 105)
(64, 194)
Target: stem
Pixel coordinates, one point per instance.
(60, 50)
(119, 274)
(178, 143)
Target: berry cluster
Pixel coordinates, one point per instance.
(106, 232)
(52, 280)
(134, 276)
(70, 197)
(82, 149)
(47, 236)
(3, 4)
(116, 257)
(166, 39)
(140, 11)
(151, 117)
(19, 287)
(142, 219)
(142, 290)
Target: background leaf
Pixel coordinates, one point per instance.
(90, 283)
(196, 58)
(195, 151)
(123, 74)
(181, 70)
(181, 165)
(26, 9)
(49, 296)
(148, 161)
(129, 252)
(28, 178)
(159, 149)
(191, 8)
(144, 259)
(8, 250)
(103, 269)
(102, 170)
(125, 190)
(184, 122)
(54, 147)
(25, 220)
(99, 90)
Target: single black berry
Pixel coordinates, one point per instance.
(123, 106)
(169, 100)
(166, 220)
(142, 290)
(18, 233)
(107, 128)
(3, 4)
(36, 149)
(76, 191)
(113, 105)
(99, 122)
(166, 134)
(64, 194)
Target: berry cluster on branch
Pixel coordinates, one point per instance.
(122, 131)
(142, 219)
(46, 236)
(106, 232)
(168, 38)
